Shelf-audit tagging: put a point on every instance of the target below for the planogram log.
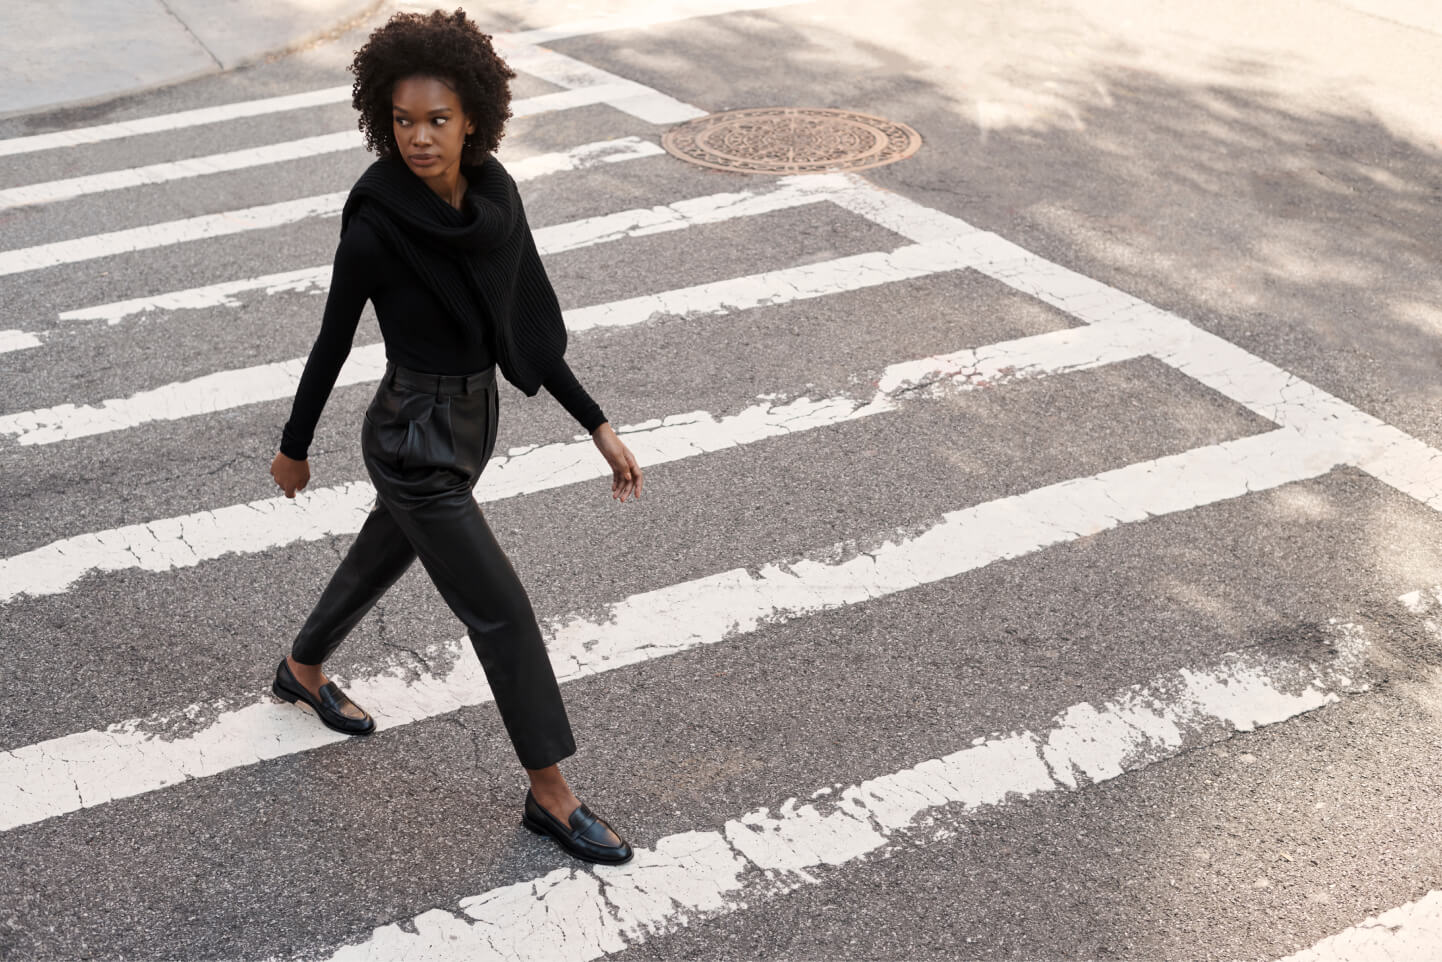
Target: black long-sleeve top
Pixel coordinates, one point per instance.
(419, 333)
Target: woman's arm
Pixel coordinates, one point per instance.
(562, 384)
(353, 279)
(625, 472)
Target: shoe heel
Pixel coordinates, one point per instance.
(281, 693)
(532, 826)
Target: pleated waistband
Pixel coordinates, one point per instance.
(439, 383)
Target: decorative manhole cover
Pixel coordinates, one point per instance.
(790, 140)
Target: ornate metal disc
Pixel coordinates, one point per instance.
(790, 140)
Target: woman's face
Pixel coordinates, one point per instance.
(430, 129)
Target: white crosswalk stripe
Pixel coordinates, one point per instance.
(266, 216)
(75, 771)
(17, 341)
(56, 190)
(1411, 931)
(178, 120)
(340, 94)
(263, 216)
(638, 100)
(166, 543)
(56, 780)
(228, 389)
(554, 239)
(763, 853)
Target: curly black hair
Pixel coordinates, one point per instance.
(449, 47)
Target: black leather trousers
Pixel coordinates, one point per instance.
(425, 441)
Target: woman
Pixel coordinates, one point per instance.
(434, 234)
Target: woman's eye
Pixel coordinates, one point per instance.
(440, 121)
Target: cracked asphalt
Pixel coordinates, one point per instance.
(1269, 176)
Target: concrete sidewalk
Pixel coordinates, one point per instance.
(63, 53)
(68, 53)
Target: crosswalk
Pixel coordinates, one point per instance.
(708, 874)
(174, 753)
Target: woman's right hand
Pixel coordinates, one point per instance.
(290, 474)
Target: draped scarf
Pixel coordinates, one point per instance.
(480, 261)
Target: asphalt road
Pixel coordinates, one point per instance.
(1123, 642)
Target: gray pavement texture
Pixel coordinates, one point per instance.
(1268, 171)
(68, 53)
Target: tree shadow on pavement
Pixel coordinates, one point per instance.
(1308, 236)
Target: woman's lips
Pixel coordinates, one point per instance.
(422, 160)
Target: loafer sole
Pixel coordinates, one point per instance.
(545, 832)
(286, 694)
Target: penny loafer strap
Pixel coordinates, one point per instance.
(586, 825)
(334, 699)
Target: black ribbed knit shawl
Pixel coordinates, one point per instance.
(480, 261)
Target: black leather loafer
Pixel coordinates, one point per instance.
(585, 837)
(330, 707)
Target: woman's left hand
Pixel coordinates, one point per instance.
(625, 472)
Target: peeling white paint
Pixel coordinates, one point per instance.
(638, 100)
(178, 120)
(171, 232)
(256, 526)
(943, 242)
(55, 190)
(556, 238)
(71, 187)
(267, 216)
(1361, 440)
(186, 540)
(782, 194)
(1423, 601)
(268, 382)
(782, 286)
(673, 11)
(575, 915)
(315, 280)
(690, 875)
(1364, 441)
(594, 154)
(1408, 933)
(648, 16)
(17, 341)
(74, 771)
(220, 391)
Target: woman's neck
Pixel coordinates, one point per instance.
(449, 185)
